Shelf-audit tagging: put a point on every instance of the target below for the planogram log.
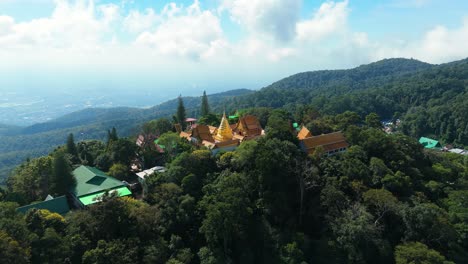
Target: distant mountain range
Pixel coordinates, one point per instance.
(19, 143)
(385, 87)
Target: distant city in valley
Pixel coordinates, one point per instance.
(24, 109)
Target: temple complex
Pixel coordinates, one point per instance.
(226, 136)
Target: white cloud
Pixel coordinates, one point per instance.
(6, 25)
(438, 45)
(110, 13)
(77, 25)
(191, 33)
(441, 44)
(275, 18)
(87, 35)
(137, 22)
(330, 18)
(281, 53)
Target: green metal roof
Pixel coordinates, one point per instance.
(94, 198)
(161, 146)
(57, 205)
(90, 180)
(429, 142)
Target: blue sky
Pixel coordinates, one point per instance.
(190, 46)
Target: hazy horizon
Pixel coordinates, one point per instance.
(55, 50)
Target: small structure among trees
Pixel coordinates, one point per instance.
(429, 143)
(92, 184)
(331, 143)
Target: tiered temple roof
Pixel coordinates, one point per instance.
(249, 126)
(202, 132)
(224, 130)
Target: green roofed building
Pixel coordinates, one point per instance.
(92, 184)
(56, 205)
(429, 143)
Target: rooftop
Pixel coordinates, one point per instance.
(56, 205)
(304, 133)
(329, 142)
(145, 173)
(429, 142)
(90, 180)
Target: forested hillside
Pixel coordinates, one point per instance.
(17, 144)
(431, 99)
(384, 200)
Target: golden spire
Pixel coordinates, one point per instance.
(224, 130)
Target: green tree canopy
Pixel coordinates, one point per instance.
(62, 179)
(418, 253)
(205, 108)
(181, 115)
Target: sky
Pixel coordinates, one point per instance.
(172, 47)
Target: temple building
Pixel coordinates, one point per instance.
(249, 127)
(224, 132)
(226, 136)
(331, 143)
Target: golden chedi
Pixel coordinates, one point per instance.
(224, 131)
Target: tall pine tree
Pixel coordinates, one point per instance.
(205, 107)
(111, 136)
(62, 179)
(71, 147)
(181, 112)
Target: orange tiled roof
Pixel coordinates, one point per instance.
(239, 137)
(202, 132)
(208, 144)
(304, 133)
(212, 129)
(185, 135)
(249, 125)
(329, 142)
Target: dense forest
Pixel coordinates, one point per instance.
(385, 200)
(431, 99)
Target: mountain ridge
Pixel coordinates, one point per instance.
(331, 91)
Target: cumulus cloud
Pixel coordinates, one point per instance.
(441, 44)
(191, 32)
(6, 25)
(137, 22)
(80, 24)
(275, 18)
(89, 33)
(438, 45)
(330, 18)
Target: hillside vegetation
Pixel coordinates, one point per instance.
(432, 100)
(385, 200)
(17, 144)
